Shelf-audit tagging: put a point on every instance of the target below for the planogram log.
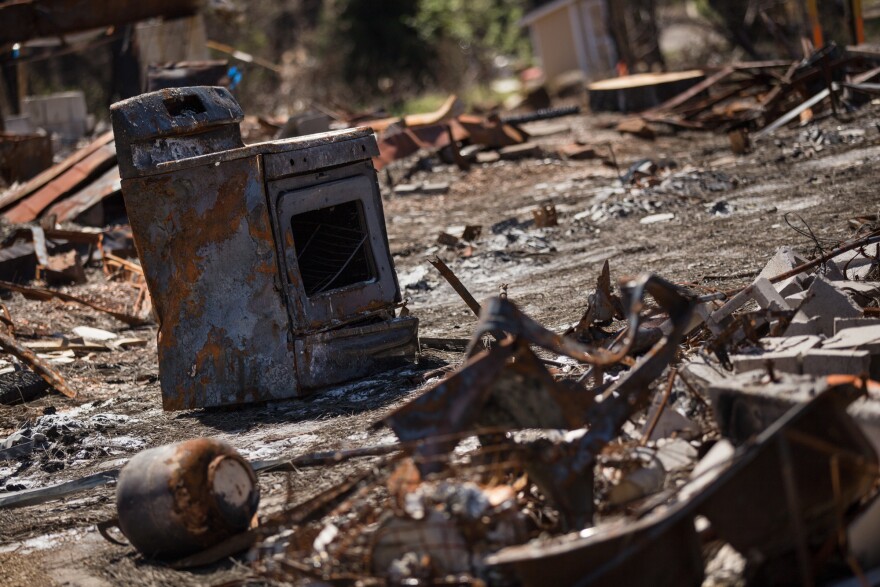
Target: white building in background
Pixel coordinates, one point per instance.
(570, 35)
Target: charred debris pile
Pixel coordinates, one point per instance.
(673, 434)
(669, 434)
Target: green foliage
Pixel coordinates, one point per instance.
(486, 25)
(402, 47)
(422, 103)
(376, 40)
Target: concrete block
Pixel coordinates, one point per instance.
(785, 353)
(783, 261)
(761, 290)
(844, 323)
(786, 362)
(767, 297)
(854, 265)
(832, 272)
(866, 338)
(823, 304)
(703, 374)
(822, 362)
(803, 325)
(782, 344)
(861, 337)
(790, 286)
(796, 299)
(862, 292)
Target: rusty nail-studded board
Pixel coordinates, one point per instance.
(268, 264)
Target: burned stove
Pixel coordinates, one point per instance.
(268, 264)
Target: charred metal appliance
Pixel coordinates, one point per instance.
(268, 264)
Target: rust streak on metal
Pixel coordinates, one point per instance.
(196, 494)
(221, 228)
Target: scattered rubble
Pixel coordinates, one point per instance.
(662, 434)
(483, 510)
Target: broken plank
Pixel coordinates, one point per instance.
(792, 114)
(63, 344)
(53, 172)
(70, 208)
(30, 208)
(693, 91)
(47, 294)
(43, 369)
(635, 93)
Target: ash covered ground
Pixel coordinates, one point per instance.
(730, 214)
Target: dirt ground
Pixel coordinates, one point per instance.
(729, 217)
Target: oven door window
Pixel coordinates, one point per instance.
(332, 247)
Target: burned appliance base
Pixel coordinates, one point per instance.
(268, 264)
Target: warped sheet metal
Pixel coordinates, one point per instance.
(46, 177)
(460, 402)
(69, 209)
(79, 175)
(780, 501)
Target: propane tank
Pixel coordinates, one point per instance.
(182, 498)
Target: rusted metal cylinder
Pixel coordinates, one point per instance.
(181, 498)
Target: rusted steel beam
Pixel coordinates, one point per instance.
(456, 284)
(29, 19)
